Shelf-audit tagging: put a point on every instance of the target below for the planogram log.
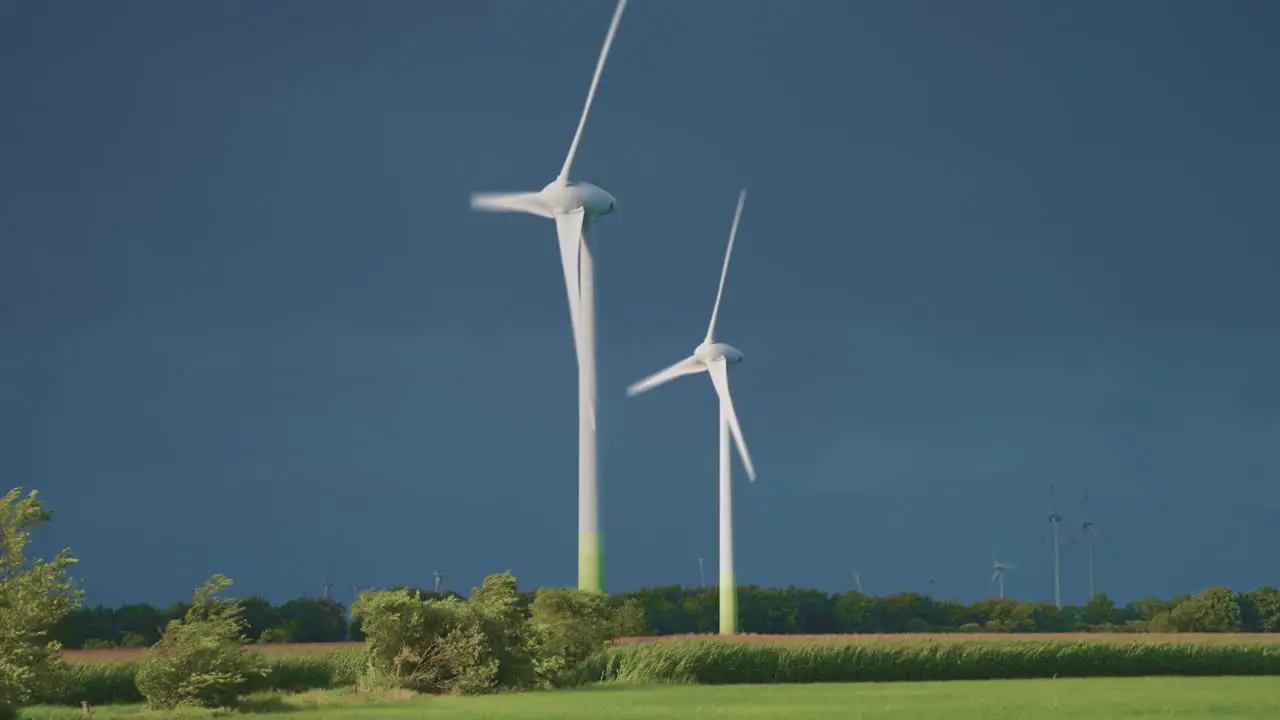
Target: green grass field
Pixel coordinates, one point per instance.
(1094, 699)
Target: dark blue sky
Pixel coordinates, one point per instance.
(249, 324)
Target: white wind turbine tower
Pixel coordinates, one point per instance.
(574, 206)
(714, 358)
(857, 581)
(438, 578)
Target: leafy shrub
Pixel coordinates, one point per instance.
(570, 625)
(724, 662)
(429, 646)
(98, 644)
(203, 659)
(499, 607)
(34, 596)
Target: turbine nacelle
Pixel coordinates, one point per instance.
(709, 351)
(566, 197)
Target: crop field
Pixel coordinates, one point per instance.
(1110, 638)
(293, 650)
(273, 651)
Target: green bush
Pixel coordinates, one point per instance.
(490, 642)
(35, 596)
(720, 662)
(571, 625)
(429, 646)
(500, 609)
(203, 659)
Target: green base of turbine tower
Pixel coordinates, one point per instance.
(728, 605)
(590, 562)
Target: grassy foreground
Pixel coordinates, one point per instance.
(1186, 698)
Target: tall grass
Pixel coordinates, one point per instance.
(717, 662)
(110, 683)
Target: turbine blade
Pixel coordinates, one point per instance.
(595, 81)
(569, 231)
(720, 378)
(525, 202)
(733, 232)
(687, 366)
(1010, 567)
(994, 575)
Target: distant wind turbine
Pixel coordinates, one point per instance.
(702, 573)
(1055, 520)
(438, 577)
(999, 569)
(857, 581)
(714, 358)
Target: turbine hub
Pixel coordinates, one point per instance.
(570, 195)
(708, 352)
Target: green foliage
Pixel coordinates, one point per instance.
(277, 635)
(500, 608)
(134, 640)
(203, 659)
(1100, 610)
(490, 642)
(1214, 610)
(718, 662)
(313, 619)
(429, 646)
(1260, 610)
(34, 597)
(569, 625)
(98, 683)
(673, 609)
(111, 683)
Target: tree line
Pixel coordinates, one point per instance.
(673, 610)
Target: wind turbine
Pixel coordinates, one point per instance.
(1055, 520)
(574, 206)
(999, 569)
(857, 581)
(1090, 531)
(438, 577)
(702, 574)
(714, 358)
